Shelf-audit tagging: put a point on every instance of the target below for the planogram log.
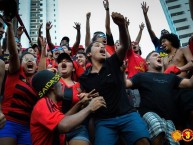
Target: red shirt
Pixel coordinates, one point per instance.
(110, 49)
(79, 70)
(19, 98)
(51, 62)
(135, 63)
(44, 120)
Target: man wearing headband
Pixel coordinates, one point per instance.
(47, 122)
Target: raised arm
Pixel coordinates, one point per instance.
(107, 20)
(87, 38)
(141, 27)
(145, 9)
(77, 42)
(48, 37)
(42, 63)
(123, 35)
(39, 35)
(14, 63)
(127, 22)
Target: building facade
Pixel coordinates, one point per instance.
(178, 16)
(35, 12)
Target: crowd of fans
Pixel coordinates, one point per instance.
(104, 93)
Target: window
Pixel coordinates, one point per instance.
(33, 26)
(185, 35)
(182, 28)
(33, 20)
(177, 14)
(41, 4)
(174, 7)
(170, 1)
(180, 20)
(32, 32)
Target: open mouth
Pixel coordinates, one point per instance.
(64, 65)
(102, 51)
(159, 60)
(164, 47)
(30, 66)
(104, 41)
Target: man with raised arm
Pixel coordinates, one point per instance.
(153, 37)
(105, 76)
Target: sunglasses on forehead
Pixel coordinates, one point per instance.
(57, 49)
(101, 35)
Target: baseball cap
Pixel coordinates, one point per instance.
(43, 81)
(63, 56)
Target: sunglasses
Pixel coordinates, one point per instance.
(57, 49)
(29, 59)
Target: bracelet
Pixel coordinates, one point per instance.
(107, 9)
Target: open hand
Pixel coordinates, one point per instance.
(77, 26)
(144, 7)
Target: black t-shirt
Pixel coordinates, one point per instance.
(110, 40)
(109, 82)
(157, 93)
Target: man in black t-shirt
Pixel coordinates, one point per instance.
(158, 106)
(105, 76)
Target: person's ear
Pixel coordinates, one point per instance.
(89, 54)
(147, 62)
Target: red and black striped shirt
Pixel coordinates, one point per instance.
(19, 98)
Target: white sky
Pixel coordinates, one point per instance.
(71, 11)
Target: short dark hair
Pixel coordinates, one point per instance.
(88, 50)
(66, 38)
(173, 38)
(147, 57)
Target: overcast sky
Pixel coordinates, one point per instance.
(71, 11)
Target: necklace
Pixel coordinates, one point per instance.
(172, 56)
